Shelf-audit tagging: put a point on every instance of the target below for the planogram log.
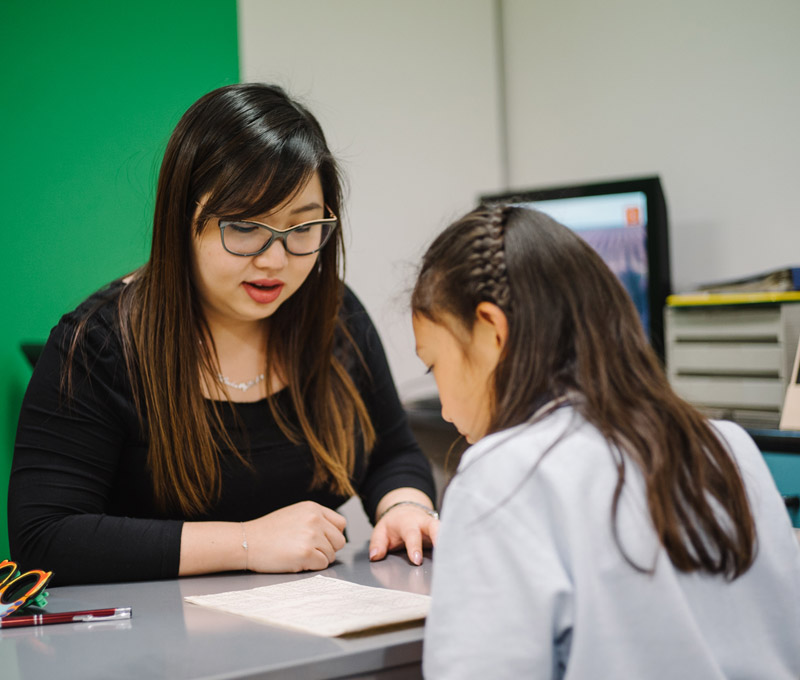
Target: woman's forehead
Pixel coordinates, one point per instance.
(266, 200)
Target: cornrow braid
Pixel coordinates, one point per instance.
(488, 259)
(464, 266)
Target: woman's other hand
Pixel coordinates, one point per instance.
(402, 522)
(300, 537)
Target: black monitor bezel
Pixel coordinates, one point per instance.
(658, 257)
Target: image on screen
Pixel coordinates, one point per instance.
(615, 225)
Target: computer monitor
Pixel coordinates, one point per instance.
(625, 221)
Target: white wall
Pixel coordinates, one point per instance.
(405, 92)
(704, 93)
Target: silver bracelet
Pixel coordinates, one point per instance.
(428, 510)
(244, 544)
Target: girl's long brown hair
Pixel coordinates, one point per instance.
(574, 330)
(244, 150)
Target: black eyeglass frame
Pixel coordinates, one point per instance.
(280, 235)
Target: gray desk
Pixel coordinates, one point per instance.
(169, 638)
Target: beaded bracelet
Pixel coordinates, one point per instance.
(428, 510)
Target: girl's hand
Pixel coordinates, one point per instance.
(300, 537)
(404, 524)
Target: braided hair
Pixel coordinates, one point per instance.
(488, 260)
(466, 268)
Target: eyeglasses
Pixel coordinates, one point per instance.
(21, 590)
(242, 237)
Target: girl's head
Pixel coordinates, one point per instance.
(530, 310)
(243, 152)
(511, 309)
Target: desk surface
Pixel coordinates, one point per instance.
(169, 638)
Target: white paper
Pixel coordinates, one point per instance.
(321, 605)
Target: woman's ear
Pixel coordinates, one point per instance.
(490, 329)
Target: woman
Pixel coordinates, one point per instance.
(209, 411)
(599, 527)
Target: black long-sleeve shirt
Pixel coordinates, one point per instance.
(81, 501)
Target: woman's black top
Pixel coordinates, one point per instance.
(81, 501)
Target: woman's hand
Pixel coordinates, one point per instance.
(404, 524)
(300, 537)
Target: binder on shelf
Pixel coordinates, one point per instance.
(781, 279)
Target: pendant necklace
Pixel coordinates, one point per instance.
(243, 386)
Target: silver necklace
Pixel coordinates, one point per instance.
(243, 386)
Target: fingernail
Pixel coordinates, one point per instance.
(417, 559)
(373, 553)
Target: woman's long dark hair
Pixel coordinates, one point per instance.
(574, 330)
(241, 150)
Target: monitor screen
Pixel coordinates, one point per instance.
(625, 221)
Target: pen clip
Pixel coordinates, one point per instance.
(121, 613)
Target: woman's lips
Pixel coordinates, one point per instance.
(263, 291)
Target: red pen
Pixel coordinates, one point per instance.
(67, 617)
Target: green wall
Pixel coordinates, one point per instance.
(91, 91)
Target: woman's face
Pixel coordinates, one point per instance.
(235, 289)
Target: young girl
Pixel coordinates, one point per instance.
(599, 527)
(211, 410)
